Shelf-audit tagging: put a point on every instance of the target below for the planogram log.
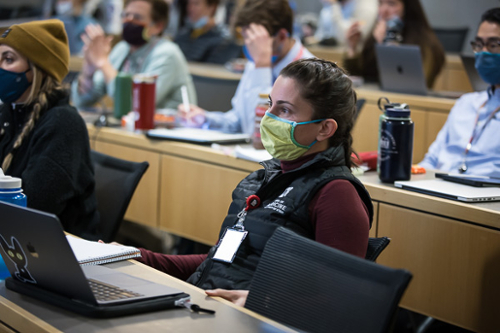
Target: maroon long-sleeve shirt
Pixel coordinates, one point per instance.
(338, 215)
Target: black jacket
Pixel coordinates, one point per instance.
(53, 163)
(285, 199)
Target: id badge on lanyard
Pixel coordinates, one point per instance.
(229, 245)
(232, 238)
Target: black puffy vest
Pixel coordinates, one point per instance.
(285, 199)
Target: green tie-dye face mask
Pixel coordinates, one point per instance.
(277, 135)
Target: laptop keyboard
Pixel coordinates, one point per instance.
(107, 292)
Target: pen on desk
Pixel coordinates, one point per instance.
(185, 99)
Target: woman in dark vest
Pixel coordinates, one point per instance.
(307, 187)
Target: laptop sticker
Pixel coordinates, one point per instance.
(16, 254)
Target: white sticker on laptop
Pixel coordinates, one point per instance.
(229, 245)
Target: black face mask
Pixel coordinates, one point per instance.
(133, 34)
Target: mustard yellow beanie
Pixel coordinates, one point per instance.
(44, 43)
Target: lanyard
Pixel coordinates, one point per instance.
(463, 167)
(252, 202)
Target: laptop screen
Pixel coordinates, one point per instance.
(400, 69)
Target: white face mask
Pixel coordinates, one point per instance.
(202, 21)
(64, 8)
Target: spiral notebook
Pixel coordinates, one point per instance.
(94, 253)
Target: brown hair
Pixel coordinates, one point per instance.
(329, 90)
(272, 14)
(418, 31)
(159, 10)
(43, 86)
(213, 3)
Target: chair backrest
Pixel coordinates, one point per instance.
(115, 183)
(375, 247)
(359, 106)
(315, 288)
(452, 39)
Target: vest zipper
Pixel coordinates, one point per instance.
(204, 274)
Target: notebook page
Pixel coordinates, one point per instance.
(94, 253)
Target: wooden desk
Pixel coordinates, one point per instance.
(186, 186)
(428, 113)
(24, 314)
(453, 76)
(452, 248)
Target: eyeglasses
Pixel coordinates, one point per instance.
(133, 16)
(492, 45)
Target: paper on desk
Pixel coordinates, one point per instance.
(94, 253)
(252, 154)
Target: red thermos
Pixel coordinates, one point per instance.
(143, 100)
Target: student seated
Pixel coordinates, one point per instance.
(416, 31)
(468, 142)
(141, 51)
(307, 187)
(43, 140)
(267, 31)
(201, 39)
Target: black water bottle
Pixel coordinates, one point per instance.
(395, 145)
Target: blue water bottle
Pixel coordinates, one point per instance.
(395, 146)
(11, 192)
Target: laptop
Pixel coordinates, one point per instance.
(197, 135)
(42, 265)
(400, 69)
(449, 190)
(476, 81)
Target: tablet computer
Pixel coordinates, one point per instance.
(197, 135)
(472, 180)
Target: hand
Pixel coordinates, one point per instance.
(112, 243)
(380, 30)
(97, 46)
(238, 297)
(194, 117)
(353, 37)
(259, 44)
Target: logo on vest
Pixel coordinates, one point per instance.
(285, 192)
(277, 205)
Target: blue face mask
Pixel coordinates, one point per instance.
(200, 23)
(247, 54)
(488, 67)
(12, 85)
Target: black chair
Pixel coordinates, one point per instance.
(214, 93)
(312, 287)
(115, 183)
(359, 106)
(375, 247)
(452, 39)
